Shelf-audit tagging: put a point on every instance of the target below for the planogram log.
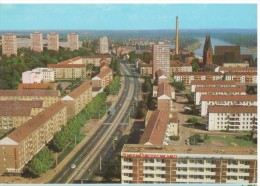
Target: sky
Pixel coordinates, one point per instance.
(126, 16)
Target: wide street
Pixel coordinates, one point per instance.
(90, 152)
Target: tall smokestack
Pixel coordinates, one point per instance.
(177, 38)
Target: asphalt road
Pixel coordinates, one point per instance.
(89, 153)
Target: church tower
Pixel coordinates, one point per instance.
(207, 52)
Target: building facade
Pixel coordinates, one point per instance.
(242, 77)
(161, 58)
(164, 97)
(199, 91)
(36, 42)
(103, 45)
(210, 83)
(232, 118)
(53, 41)
(48, 96)
(187, 77)
(78, 99)
(73, 41)
(103, 78)
(9, 44)
(228, 100)
(177, 66)
(19, 146)
(38, 75)
(153, 164)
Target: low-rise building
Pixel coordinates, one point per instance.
(187, 77)
(146, 69)
(232, 118)
(235, 64)
(48, 96)
(199, 91)
(155, 128)
(228, 100)
(78, 99)
(164, 97)
(160, 77)
(19, 146)
(103, 78)
(151, 164)
(177, 66)
(38, 75)
(242, 77)
(37, 86)
(210, 83)
(97, 59)
(235, 69)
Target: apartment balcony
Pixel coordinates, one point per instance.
(195, 173)
(237, 174)
(127, 171)
(126, 178)
(238, 181)
(154, 179)
(189, 180)
(239, 166)
(197, 165)
(127, 163)
(154, 171)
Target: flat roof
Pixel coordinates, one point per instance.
(225, 150)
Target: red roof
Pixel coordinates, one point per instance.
(15, 111)
(164, 89)
(79, 90)
(155, 130)
(36, 86)
(105, 71)
(21, 104)
(221, 89)
(199, 73)
(51, 93)
(212, 82)
(238, 69)
(228, 98)
(232, 109)
(241, 73)
(36, 122)
(66, 65)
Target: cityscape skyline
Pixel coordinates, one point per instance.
(127, 16)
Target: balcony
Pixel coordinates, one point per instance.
(127, 171)
(154, 171)
(126, 178)
(197, 165)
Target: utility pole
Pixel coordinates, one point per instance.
(100, 163)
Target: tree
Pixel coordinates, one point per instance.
(195, 65)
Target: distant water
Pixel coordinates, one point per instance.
(215, 42)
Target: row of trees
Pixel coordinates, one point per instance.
(11, 68)
(45, 158)
(145, 56)
(114, 87)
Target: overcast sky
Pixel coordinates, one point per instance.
(127, 16)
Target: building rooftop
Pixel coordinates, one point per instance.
(79, 90)
(178, 149)
(15, 111)
(212, 82)
(160, 73)
(104, 72)
(155, 130)
(30, 126)
(52, 93)
(199, 73)
(22, 86)
(221, 89)
(232, 109)
(240, 73)
(21, 104)
(228, 98)
(176, 63)
(238, 69)
(164, 89)
(61, 65)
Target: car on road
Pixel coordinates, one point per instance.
(73, 166)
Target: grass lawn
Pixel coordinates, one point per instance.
(229, 140)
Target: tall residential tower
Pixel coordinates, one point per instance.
(161, 58)
(53, 41)
(73, 41)
(103, 45)
(9, 44)
(37, 42)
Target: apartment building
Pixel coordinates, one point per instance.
(36, 42)
(53, 41)
(226, 100)
(199, 91)
(242, 77)
(160, 77)
(177, 66)
(78, 99)
(68, 71)
(146, 69)
(211, 83)
(235, 69)
(38, 75)
(103, 78)
(9, 44)
(97, 59)
(153, 164)
(187, 77)
(156, 123)
(161, 58)
(37, 86)
(232, 118)
(23, 42)
(164, 97)
(235, 65)
(103, 45)
(73, 41)
(48, 96)
(15, 113)
(19, 147)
